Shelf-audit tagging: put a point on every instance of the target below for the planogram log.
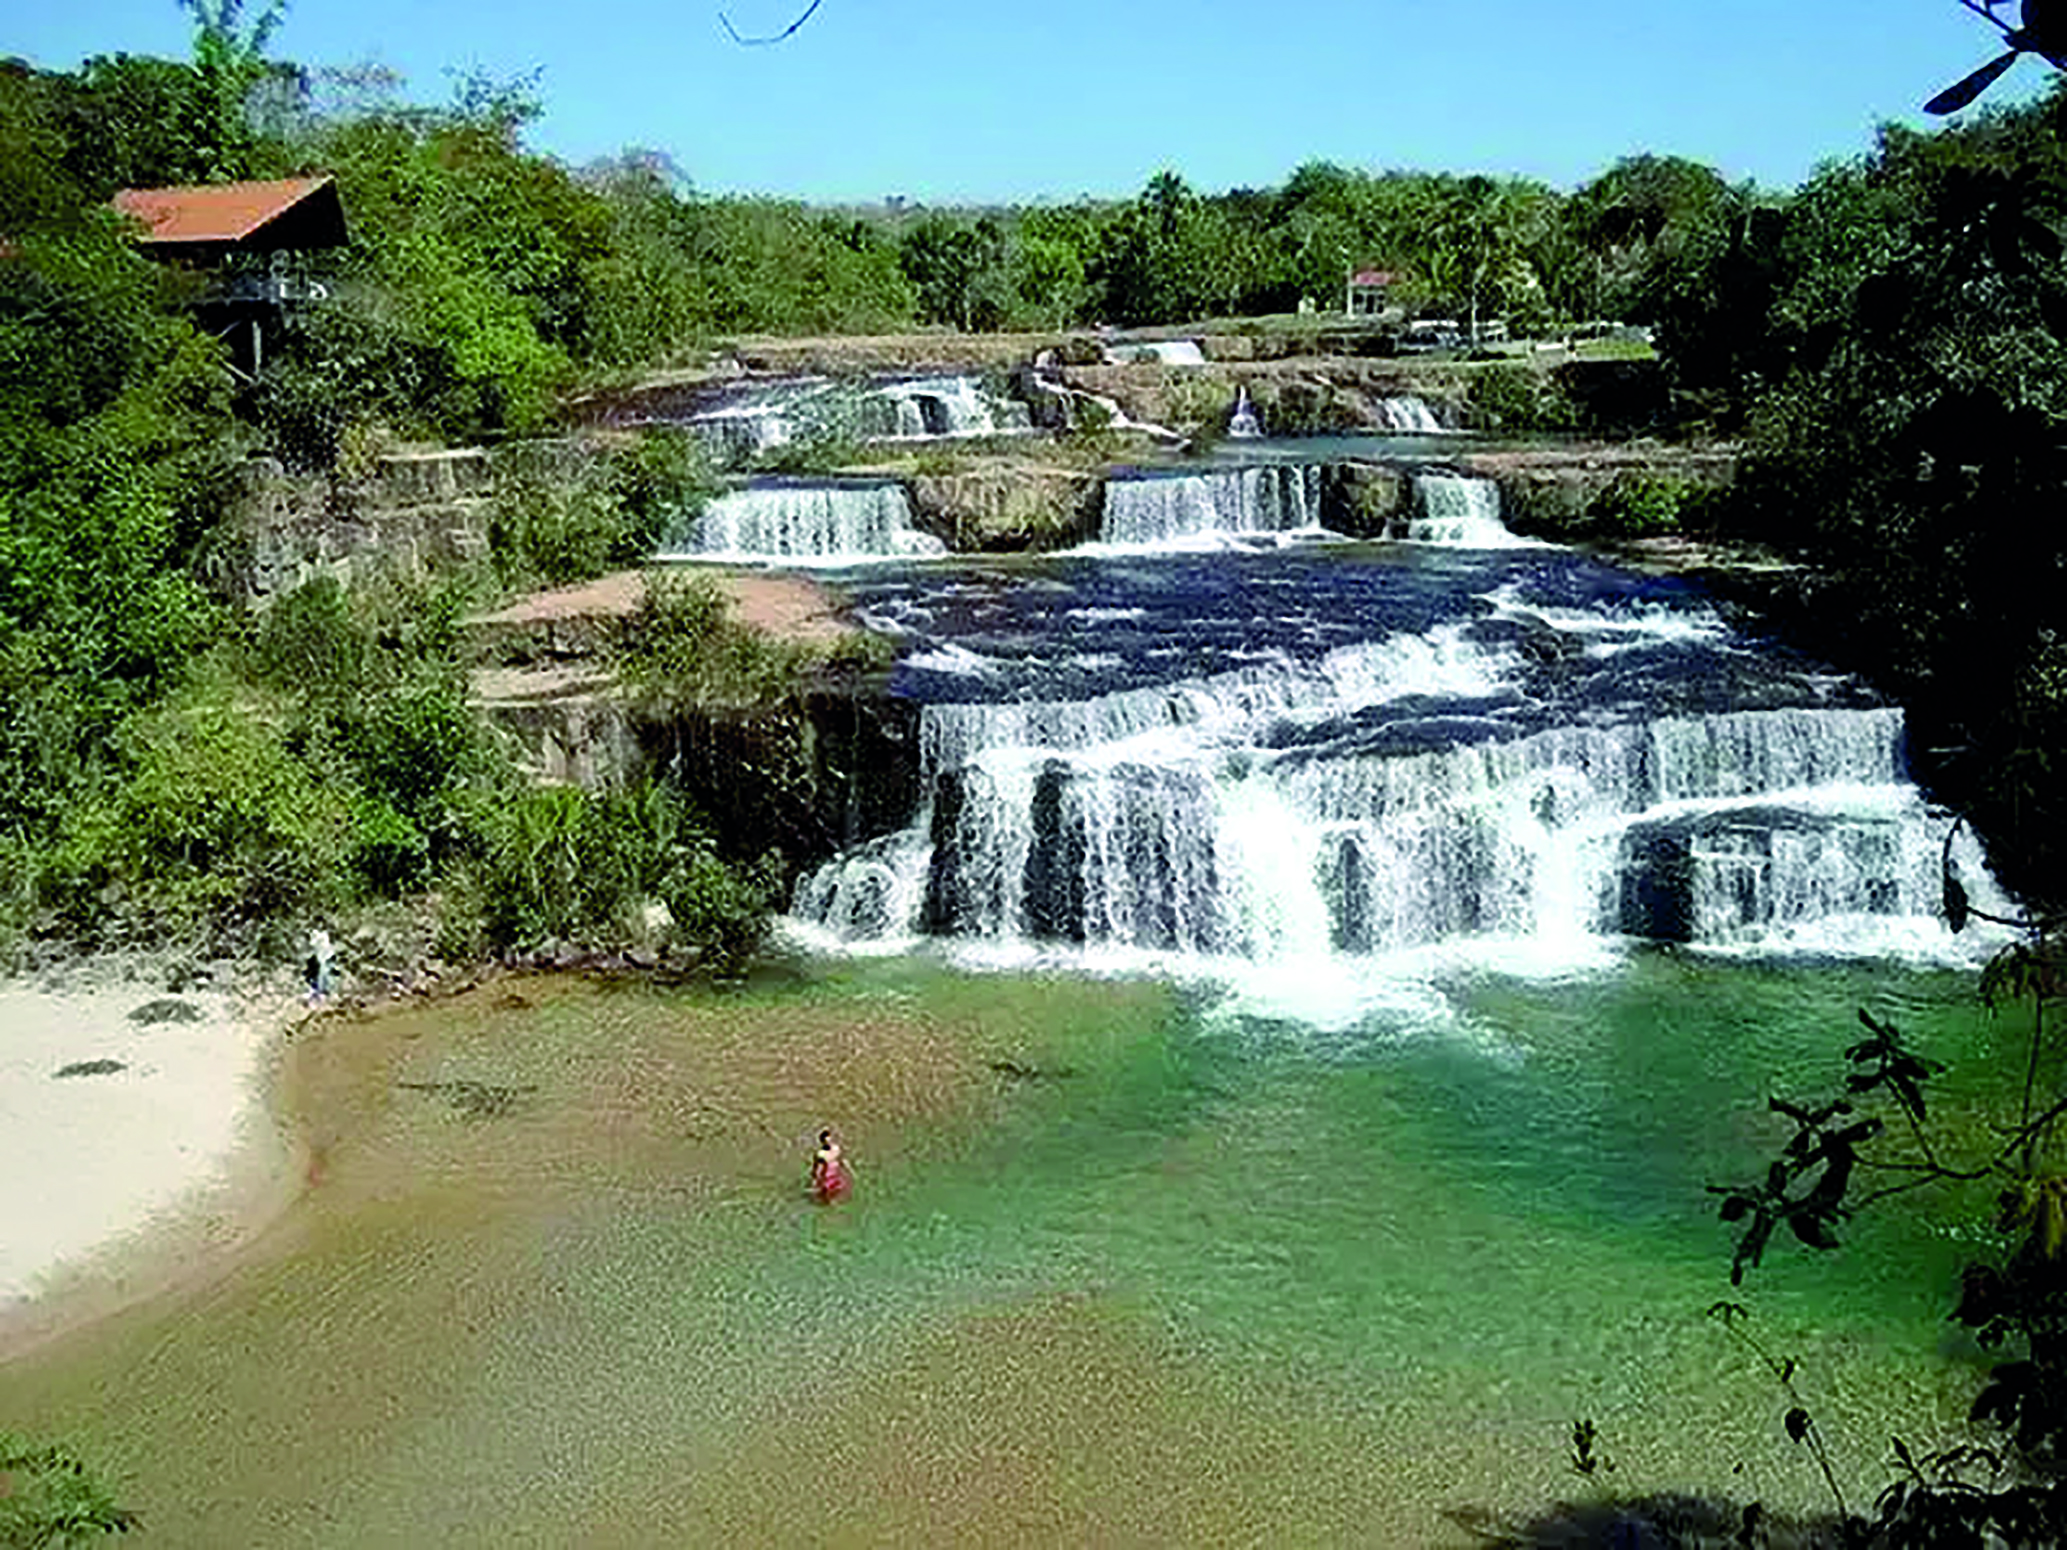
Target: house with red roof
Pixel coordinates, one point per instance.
(242, 233)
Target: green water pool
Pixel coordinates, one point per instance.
(1123, 1266)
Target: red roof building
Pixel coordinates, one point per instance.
(213, 220)
(1365, 293)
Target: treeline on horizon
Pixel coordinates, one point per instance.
(1882, 342)
(483, 280)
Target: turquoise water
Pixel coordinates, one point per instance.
(1180, 1275)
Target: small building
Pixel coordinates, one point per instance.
(1368, 292)
(242, 234)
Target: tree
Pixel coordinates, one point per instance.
(230, 60)
(2015, 1302)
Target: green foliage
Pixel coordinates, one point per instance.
(660, 482)
(684, 651)
(568, 514)
(217, 830)
(558, 863)
(1637, 504)
(2014, 1302)
(1516, 398)
(49, 1500)
(552, 531)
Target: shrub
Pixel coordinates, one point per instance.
(1506, 397)
(660, 480)
(551, 531)
(561, 863)
(683, 650)
(1636, 504)
(218, 830)
(52, 1499)
(312, 638)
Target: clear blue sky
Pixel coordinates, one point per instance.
(975, 100)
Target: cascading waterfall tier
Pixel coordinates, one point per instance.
(1545, 753)
(1243, 423)
(924, 408)
(1163, 509)
(1452, 509)
(825, 523)
(1408, 416)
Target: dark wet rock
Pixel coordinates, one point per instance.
(167, 1009)
(473, 1100)
(90, 1068)
(1016, 1071)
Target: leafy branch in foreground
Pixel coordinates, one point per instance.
(49, 1499)
(1965, 1494)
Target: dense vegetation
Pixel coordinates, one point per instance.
(1887, 342)
(172, 767)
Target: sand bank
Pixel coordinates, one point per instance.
(134, 1135)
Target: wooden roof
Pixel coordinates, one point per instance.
(218, 218)
(1372, 279)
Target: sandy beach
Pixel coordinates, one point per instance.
(134, 1134)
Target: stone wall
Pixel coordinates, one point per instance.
(1551, 490)
(410, 512)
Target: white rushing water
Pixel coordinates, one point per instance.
(929, 408)
(1166, 352)
(1451, 509)
(1178, 837)
(1408, 416)
(1262, 815)
(1243, 423)
(1162, 510)
(825, 524)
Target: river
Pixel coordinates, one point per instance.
(1284, 1059)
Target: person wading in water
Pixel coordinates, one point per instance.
(830, 1179)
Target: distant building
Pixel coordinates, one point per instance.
(1368, 292)
(242, 233)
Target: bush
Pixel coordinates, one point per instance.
(559, 863)
(683, 650)
(217, 831)
(1505, 397)
(659, 481)
(52, 1500)
(312, 638)
(1637, 504)
(549, 531)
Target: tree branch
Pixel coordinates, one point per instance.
(775, 37)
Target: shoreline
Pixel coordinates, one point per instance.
(159, 1155)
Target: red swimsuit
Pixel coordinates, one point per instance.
(830, 1180)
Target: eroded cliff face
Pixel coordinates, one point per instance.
(1008, 504)
(407, 512)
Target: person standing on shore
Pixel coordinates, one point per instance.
(322, 966)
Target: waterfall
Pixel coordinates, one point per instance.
(735, 435)
(1229, 708)
(1708, 830)
(1451, 509)
(1242, 424)
(1163, 509)
(1167, 352)
(1408, 416)
(1275, 756)
(925, 407)
(826, 523)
